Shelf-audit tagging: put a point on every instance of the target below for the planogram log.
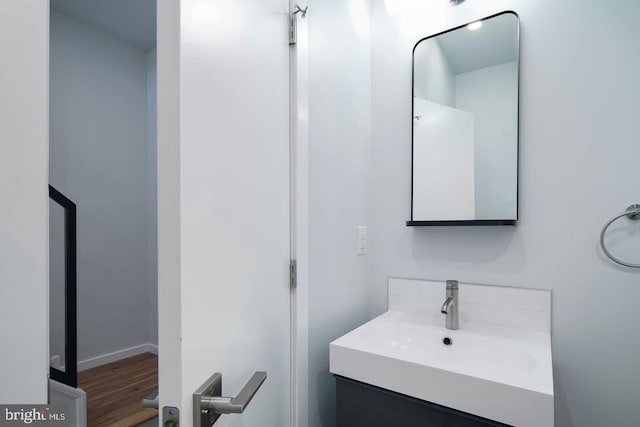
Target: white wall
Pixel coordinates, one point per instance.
(340, 129)
(24, 258)
(491, 94)
(578, 167)
(434, 79)
(99, 159)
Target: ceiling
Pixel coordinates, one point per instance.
(133, 21)
(496, 42)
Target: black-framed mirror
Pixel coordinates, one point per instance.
(465, 124)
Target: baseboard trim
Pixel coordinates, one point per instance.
(114, 356)
(74, 398)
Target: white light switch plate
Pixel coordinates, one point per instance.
(361, 240)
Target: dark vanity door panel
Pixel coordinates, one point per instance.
(359, 404)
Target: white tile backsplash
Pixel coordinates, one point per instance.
(519, 308)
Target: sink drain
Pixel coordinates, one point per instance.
(447, 341)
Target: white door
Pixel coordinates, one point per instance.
(223, 199)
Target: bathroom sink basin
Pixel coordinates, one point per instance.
(503, 374)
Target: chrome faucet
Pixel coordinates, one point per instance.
(450, 306)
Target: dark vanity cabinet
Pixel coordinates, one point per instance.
(359, 405)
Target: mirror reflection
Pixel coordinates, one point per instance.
(465, 125)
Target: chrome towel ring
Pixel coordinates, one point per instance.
(633, 213)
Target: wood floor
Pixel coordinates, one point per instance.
(115, 391)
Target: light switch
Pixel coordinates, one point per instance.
(361, 240)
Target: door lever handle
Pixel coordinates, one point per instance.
(209, 404)
(151, 401)
(235, 405)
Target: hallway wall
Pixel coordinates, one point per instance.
(100, 159)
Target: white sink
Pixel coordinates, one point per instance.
(500, 373)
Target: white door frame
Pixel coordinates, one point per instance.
(299, 181)
(168, 191)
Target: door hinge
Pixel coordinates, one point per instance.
(293, 274)
(292, 30)
(293, 23)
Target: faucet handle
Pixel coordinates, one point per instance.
(452, 284)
